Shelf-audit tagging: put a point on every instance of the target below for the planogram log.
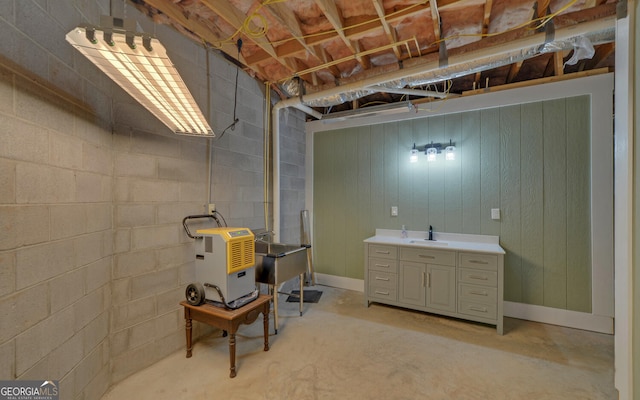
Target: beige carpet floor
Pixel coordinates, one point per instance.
(340, 349)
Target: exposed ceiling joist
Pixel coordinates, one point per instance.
(488, 4)
(331, 12)
(329, 43)
(236, 19)
(204, 32)
(513, 71)
(390, 32)
(286, 18)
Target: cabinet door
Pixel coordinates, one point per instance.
(441, 287)
(412, 283)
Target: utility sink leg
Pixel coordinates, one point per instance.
(274, 294)
(301, 293)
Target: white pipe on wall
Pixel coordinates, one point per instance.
(275, 137)
(624, 187)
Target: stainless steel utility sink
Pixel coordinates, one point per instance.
(276, 263)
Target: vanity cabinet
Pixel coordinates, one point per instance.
(428, 278)
(382, 265)
(452, 282)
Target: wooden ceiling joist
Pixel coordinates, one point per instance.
(486, 20)
(513, 71)
(236, 19)
(435, 17)
(388, 30)
(201, 30)
(286, 17)
(558, 63)
(331, 12)
(292, 47)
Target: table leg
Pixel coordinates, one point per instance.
(301, 292)
(188, 329)
(232, 354)
(265, 319)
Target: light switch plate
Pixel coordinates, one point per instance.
(495, 213)
(394, 211)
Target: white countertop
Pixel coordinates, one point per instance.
(443, 241)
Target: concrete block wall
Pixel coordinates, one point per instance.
(292, 174)
(158, 180)
(55, 240)
(237, 155)
(93, 256)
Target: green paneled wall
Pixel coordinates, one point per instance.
(530, 160)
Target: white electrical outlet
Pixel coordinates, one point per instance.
(211, 208)
(394, 211)
(495, 213)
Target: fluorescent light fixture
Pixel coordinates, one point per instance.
(145, 72)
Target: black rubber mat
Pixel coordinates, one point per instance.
(310, 296)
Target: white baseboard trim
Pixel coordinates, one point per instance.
(547, 315)
(340, 282)
(556, 316)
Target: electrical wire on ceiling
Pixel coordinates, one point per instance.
(446, 88)
(247, 28)
(235, 96)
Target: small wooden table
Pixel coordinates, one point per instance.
(229, 321)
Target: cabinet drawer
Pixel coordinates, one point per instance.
(382, 264)
(383, 279)
(428, 256)
(478, 309)
(477, 294)
(381, 251)
(383, 293)
(478, 277)
(478, 260)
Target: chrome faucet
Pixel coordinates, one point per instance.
(430, 232)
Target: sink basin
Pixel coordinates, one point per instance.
(426, 242)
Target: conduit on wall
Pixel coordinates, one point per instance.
(418, 73)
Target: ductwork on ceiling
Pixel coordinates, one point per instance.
(579, 39)
(416, 72)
